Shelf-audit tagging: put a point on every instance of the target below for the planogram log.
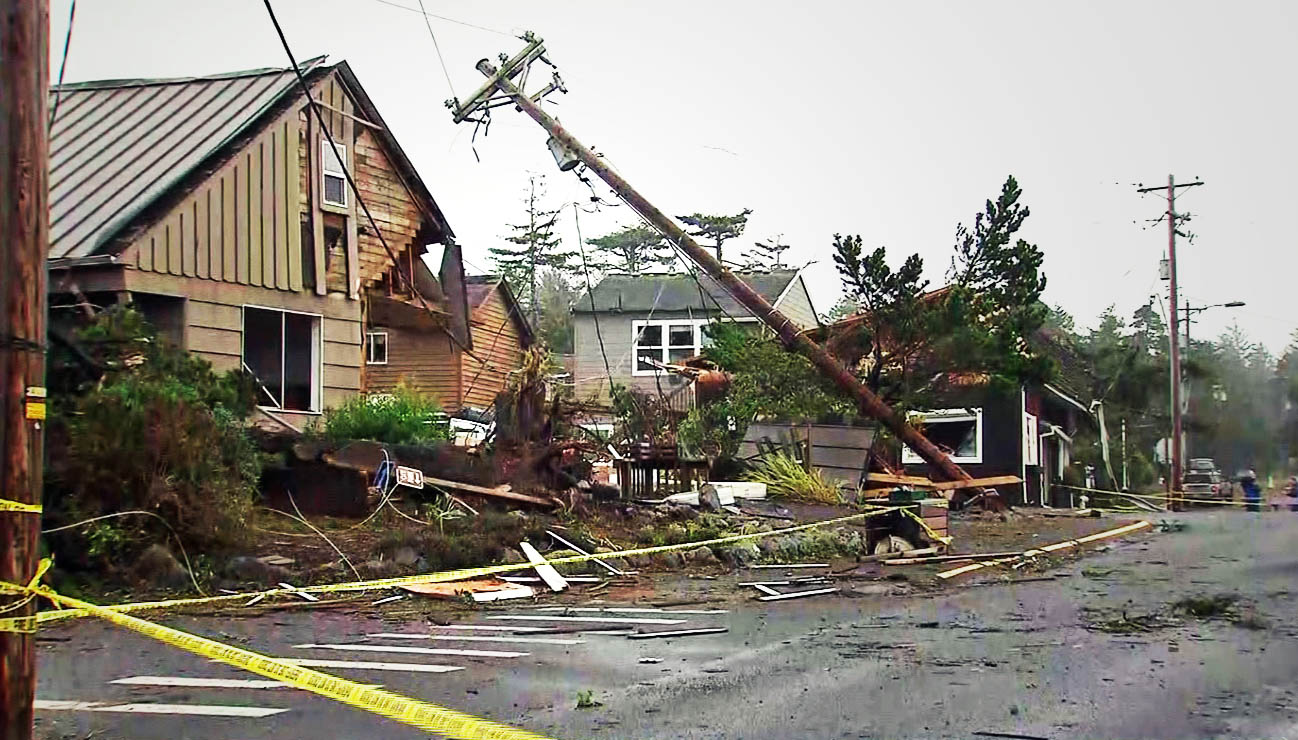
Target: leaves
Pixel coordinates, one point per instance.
(631, 250)
(717, 229)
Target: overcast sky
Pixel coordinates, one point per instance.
(891, 120)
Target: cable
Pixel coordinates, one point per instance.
(443, 18)
(63, 66)
(438, 49)
(333, 145)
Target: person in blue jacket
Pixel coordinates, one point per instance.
(1252, 491)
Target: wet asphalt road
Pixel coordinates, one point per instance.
(1001, 658)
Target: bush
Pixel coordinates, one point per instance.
(786, 478)
(404, 416)
(157, 431)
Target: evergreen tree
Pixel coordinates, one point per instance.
(536, 247)
(717, 229)
(767, 255)
(631, 250)
(556, 297)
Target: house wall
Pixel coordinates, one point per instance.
(1002, 437)
(798, 307)
(425, 360)
(590, 375)
(497, 340)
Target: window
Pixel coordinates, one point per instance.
(957, 432)
(282, 351)
(334, 187)
(665, 341)
(1031, 441)
(376, 348)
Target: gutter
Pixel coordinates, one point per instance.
(70, 263)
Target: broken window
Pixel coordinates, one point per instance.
(666, 341)
(334, 188)
(376, 348)
(281, 350)
(957, 432)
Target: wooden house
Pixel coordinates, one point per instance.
(219, 208)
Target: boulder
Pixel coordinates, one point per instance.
(379, 569)
(245, 568)
(405, 556)
(739, 555)
(157, 567)
(701, 556)
(513, 557)
(671, 559)
(709, 499)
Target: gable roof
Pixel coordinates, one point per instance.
(680, 292)
(119, 146)
(478, 288)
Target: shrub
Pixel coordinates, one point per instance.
(158, 431)
(404, 416)
(786, 478)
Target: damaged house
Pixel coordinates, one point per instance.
(639, 322)
(217, 207)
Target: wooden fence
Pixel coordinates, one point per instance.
(838, 451)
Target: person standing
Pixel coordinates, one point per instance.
(1252, 491)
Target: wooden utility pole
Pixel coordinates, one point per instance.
(1174, 479)
(24, 235)
(566, 147)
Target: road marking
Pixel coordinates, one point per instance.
(203, 683)
(475, 638)
(631, 610)
(200, 710)
(415, 650)
(488, 627)
(364, 665)
(621, 620)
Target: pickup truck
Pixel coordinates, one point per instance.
(1206, 485)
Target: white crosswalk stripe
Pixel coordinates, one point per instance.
(615, 620)
(630, 610)
(200, 683)
(489, 627)
(198, 710)
(365, 665)
(415, 650)
(475, 638)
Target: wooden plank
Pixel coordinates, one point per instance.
(214, 224)
(765, 589)
(214, 315)
(353, 245)
(293, 210)
(253, 206)
(282, 207)
(268, 242)
(677, 633)
(498, 492)
(947, 558)
(215, 341)
(201, 230)
(144, 254)
(313, 191)
(187, 238)
(900, 480)
(996, 480)
(799, 594)
(342, 330)
(543, 568)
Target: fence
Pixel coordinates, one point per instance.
(838, 451)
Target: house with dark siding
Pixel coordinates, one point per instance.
(218, 208)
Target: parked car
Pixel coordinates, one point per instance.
(1206, 484)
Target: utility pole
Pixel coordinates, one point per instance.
(569, 152)
(1174, 478)
(24, 236)
(1126, 486)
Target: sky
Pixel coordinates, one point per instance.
(895, 121)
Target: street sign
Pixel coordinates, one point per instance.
(412, 477)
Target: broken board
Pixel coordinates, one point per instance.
(543, 569)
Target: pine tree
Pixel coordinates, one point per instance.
(536, 248)
(767, 255)
(717, 229)
(631, 250)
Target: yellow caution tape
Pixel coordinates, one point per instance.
(927, 529)
(1045, 549)
(425, 716)
(23, 625)
(452, 575)
(8, 505)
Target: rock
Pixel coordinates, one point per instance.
(671, 559)
(244, 568)
(405, 556)
(739, 555)
(379, 569)
(513, 557)
(157, 567)
(709, 499)
(701, 556)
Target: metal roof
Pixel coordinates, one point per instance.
(677, 292)
(118, 145)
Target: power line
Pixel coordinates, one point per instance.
(438, 49)
(442, 17)
(63, 66)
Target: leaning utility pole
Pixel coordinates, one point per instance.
(1174, 480)
(569, 152)
(24, 234)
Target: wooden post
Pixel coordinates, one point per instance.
(24, 238)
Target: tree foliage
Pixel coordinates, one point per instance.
(631, 250)
(767, 255)
(556, 297)
(536, 247)
(717, 229)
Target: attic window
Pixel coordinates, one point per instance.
(376, 348)
(334, 187)
(957, 432)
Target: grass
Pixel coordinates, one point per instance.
(586, 700)
(786, 478)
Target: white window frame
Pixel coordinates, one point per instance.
(1031, 440)
(326, 161)
(665, 350)
(369, 347)
(317, 358)
(940, 415)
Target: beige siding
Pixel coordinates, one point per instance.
(797, 305)
(497, 341)
(588, 363)
(426, 360)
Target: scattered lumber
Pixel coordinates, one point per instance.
(996, 480)
(677, 633)
(580, 551)
(792, 565)
(543, 569)
(946, 558)
(766, 589)
(799, 594)
(898, 480)
(502, 492)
